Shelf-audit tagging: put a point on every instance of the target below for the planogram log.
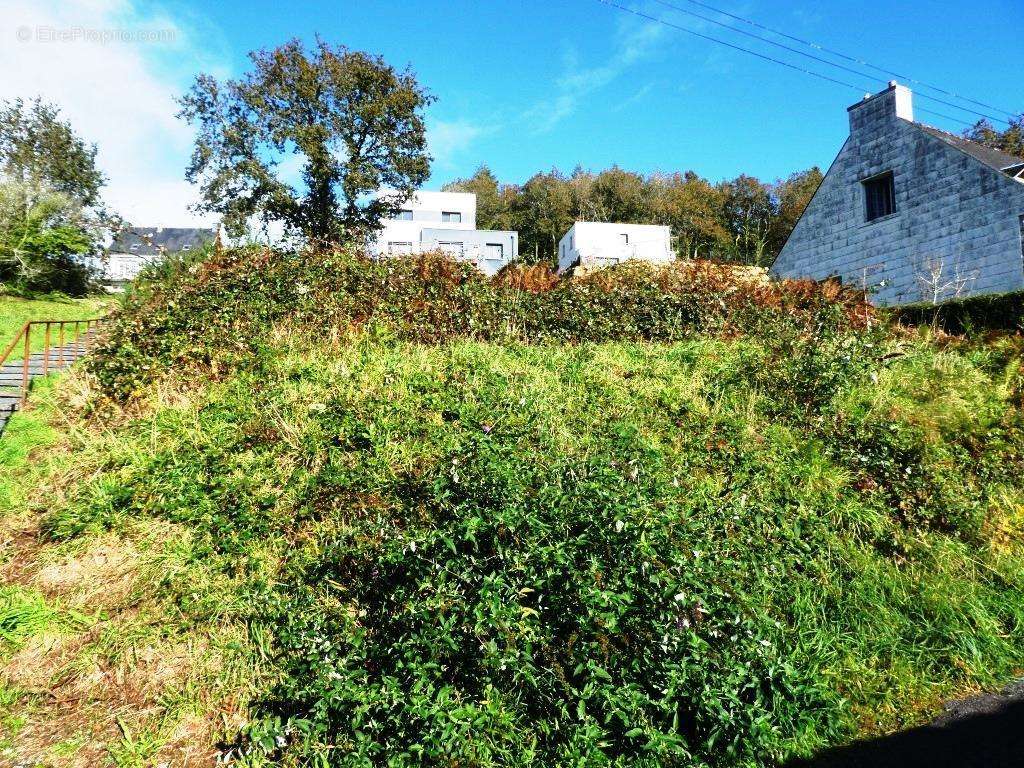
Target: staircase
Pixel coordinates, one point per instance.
(63, 341)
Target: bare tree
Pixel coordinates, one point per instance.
(941, 279)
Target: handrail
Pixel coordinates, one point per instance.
(25, 333)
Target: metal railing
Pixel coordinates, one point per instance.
(73, 339)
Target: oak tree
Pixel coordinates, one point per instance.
(351, 121)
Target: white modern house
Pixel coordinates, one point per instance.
(445, 221)
(602, 244)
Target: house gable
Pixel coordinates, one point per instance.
(952, 208)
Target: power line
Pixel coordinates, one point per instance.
(958, 120)
(731, 45)
(844, 68)
(765, 57)
(841, 55)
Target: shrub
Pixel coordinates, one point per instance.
(992, 312)
(216, 313)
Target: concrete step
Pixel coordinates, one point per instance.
(32, 371)
(12, 372)
(17, 365)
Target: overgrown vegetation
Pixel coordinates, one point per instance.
(215, 315)
(642, 518)
(988, 312)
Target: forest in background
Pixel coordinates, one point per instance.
(743, 221)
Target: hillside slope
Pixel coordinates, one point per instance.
(768, 528)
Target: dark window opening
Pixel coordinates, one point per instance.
(880, 196)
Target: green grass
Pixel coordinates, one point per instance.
(402, 529)
(15, 312)
(142, 676)
(27, 432)
(632, 553)
(25, 613)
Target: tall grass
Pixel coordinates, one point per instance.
(638, 553)
(603, 523)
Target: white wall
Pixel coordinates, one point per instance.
(597, 244)
(122, 267)
(428, 209)
(429, 230)
(489, 250)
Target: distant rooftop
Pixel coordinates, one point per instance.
(153, 241)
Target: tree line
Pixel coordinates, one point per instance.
(356, 124)
(743, 221)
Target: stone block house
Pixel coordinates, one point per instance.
(912, 213)
(134, 248)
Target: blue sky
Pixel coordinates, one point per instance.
(525, 85)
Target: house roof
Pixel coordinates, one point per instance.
(152, 241)
(993, 158)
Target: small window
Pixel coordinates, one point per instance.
(399, 247)
(450, 247)
(625, 238)
(879, 196)
(404, 215)
(495, 251)
(452, 217)
(186, 248)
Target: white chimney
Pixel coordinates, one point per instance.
(878, 113)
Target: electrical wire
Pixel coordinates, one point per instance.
(845, 56)
(771, 59)
(798, 52)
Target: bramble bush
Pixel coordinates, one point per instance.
(216, 313)
(649, 517)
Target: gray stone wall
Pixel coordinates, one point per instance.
(951, 211)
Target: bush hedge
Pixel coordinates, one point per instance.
(993, 312)
(217, 313)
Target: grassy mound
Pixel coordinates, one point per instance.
(765, 530)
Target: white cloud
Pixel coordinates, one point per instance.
(447, 140)
(115, 70)
(631, 101)
(636, 41)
